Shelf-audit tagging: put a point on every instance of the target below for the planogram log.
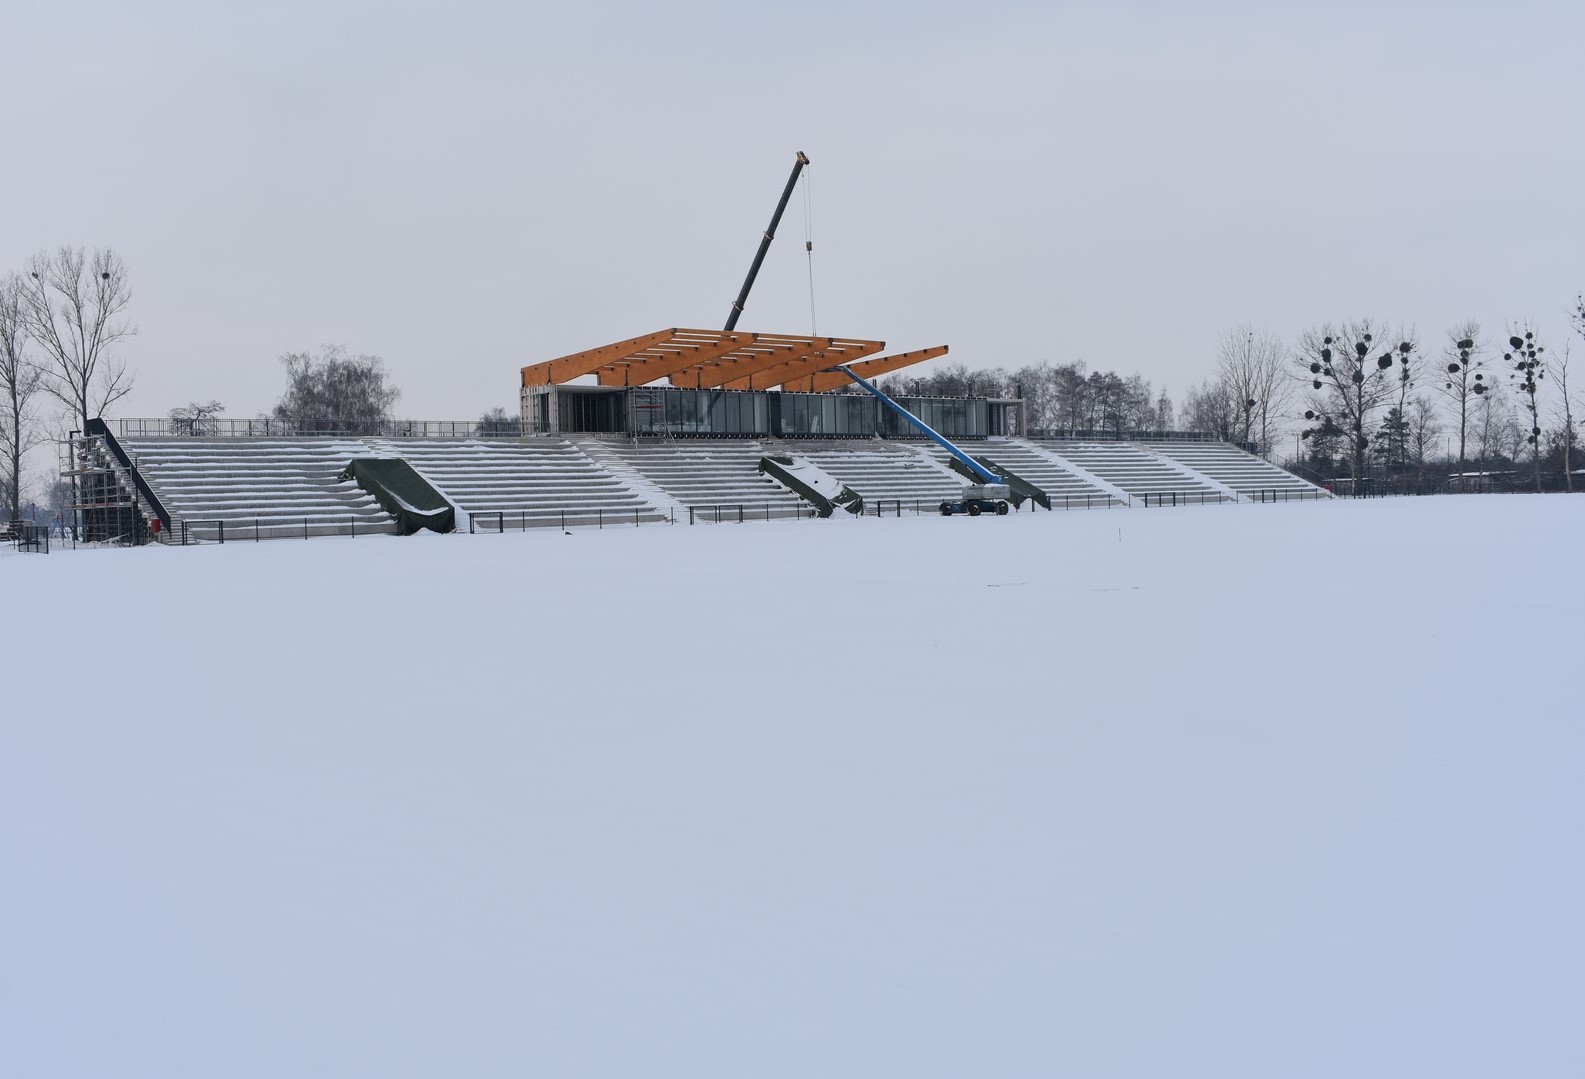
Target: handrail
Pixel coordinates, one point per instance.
(98, 427)
(160, 427)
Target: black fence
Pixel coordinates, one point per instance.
(743, 512)
(189, 533)
(1184, 498)
(1064, 434)
(271, 428)
(27, 536)
(1286, 494)
(599, 517)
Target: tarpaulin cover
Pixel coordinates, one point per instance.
(805, 479)
(405, 494)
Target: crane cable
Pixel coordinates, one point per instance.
(809, 246)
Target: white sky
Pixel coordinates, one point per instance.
(465, 188)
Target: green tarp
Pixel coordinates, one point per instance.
(405, 494)
(825, 493)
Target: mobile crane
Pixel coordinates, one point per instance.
(989, 495)
(764, 244)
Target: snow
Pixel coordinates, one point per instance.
(1285, 790)
(811, 475)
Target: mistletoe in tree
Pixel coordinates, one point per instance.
(1350, 386)
(1524, 356)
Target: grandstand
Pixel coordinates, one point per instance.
(247, 487)
(626, 450)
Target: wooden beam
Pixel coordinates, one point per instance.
(822, 381)
(639, 370)
(564, 368)
(740, 367)
(842, 352)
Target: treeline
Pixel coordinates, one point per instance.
(61, 316)
(1472, 409)
(1058, 397)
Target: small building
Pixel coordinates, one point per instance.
(724, 384)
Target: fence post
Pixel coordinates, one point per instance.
(222, 525)
(500, 521)
(305, 527)
(599, 515)
(255, 530)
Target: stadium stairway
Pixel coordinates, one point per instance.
(708, 474)
(259, 486)
(1242, 472)
(1067, 486)
(887, 472)
(1143, 475)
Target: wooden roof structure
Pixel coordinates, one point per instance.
(733, 360)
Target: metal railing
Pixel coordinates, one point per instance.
(1286, 494)
(743, 512)
(27, 536)
(1184, 498)
(269, 428)
(896, 507)
(1065, 434)
(488, 523)
(189, 532)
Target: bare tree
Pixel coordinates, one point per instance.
(1493, 421)
(19, 382)
(497, 423)
(1348, 386)
(1464, 381)
(1566, 408)
(196, 418)
(335, 393)
(75, 307)
(1424, 429)
(1250, 367)
(1212, 409)
(1529, 369)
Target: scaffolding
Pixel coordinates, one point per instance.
(105, 506)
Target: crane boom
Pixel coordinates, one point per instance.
(984, 474)
(764, 244)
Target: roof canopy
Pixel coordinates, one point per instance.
(736, 360)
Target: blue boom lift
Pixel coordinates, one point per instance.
(989, 495)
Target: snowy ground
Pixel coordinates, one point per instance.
(1235, 791)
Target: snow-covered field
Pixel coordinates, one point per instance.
(1234, 791)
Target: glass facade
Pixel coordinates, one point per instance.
(666, 410)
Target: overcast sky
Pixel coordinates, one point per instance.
(468, 187)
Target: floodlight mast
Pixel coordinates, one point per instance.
(764, 244)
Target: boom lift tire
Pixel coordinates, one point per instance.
(1001, 509)
(974, 509)
(946, 510)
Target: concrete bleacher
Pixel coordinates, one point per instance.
(1245, 473)
(520, 483)
(886, 472)
(258, 486)
(1061, 482)
(701, 473)
(292, 486)
(1139, 471)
